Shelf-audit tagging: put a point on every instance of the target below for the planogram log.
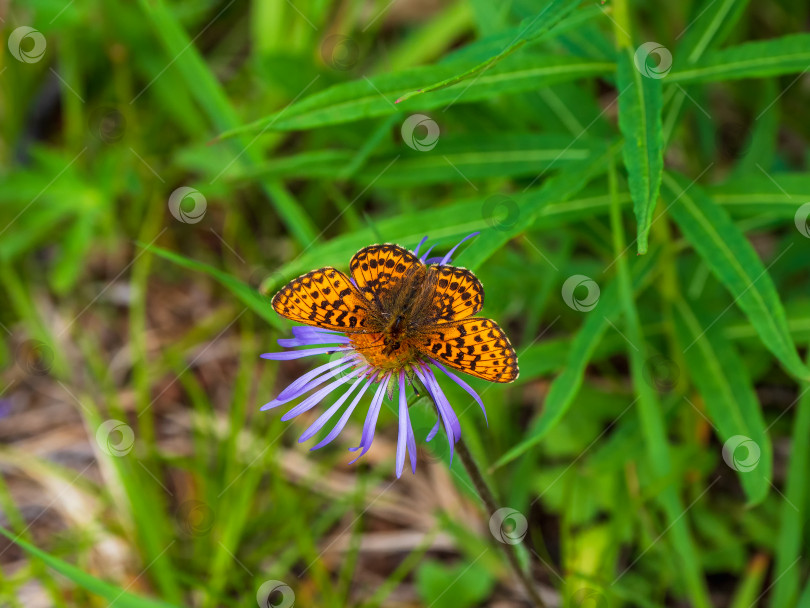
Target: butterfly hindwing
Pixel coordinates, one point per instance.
(377, 267)
(475, 346)
(458, 294)
(324, 298)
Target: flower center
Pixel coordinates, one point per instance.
(391, 356)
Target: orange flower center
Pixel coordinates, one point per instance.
(377, 353)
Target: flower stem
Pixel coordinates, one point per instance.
(491, 505)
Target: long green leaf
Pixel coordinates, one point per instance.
(728, 394)
(786, 55)
(117, 597)
(462, 158)
(714, 20)
(734, 262)
(532, 29)
(372, 97)
(640, 105)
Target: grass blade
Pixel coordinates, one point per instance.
(116, 596)
(734, 262)
(793, 510)
(640, 106)
(565, 387)
(653, 425)
(250, 297)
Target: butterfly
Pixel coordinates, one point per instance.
(395, 309)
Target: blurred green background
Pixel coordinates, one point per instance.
(638, 173)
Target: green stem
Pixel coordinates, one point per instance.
(484, 492)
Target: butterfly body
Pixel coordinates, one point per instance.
(397, 311)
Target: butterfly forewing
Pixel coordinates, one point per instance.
(324, 298)
(378, 267)
(476, 346)
(458, 294)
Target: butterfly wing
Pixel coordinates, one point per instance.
(376, 267)
(458, 294)
(476, 346)
(323, 298)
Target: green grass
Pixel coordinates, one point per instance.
(676, 190)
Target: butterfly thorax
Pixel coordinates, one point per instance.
(398, 314)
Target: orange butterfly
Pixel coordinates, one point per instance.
(397, 310)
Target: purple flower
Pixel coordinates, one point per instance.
(349, 372)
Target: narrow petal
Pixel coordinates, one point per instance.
(446, 259)
(327, 415)
(371, 419)
(423, 373)
(451, 423)
(313, 338)
(434, 430)
(404, 419)
(314, 399)
(411, 445)
(344, 418)
(290, 393)
(463, 385)
(298, 354)
(298, 386)
(422, 242)
(426, 254)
